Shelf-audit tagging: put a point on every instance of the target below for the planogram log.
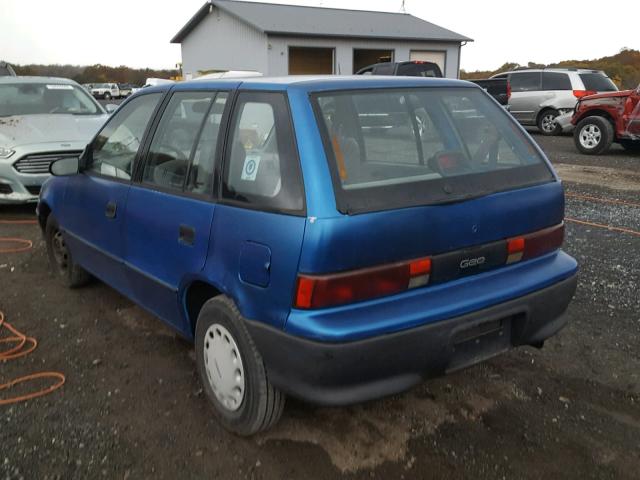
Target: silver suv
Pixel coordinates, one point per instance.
(538, 96)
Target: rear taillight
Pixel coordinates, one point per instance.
(583, 93)
(319, 291)
(535, 244)
(508, 90)
(543, 241)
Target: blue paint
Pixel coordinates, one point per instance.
(254, 256)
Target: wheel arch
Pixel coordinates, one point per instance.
(44, 210)
(195, 294)
(598, 113)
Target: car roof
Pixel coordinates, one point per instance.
(319, 82)
(26, 79)
(564, 70)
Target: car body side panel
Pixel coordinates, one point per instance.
(95, 239)
(320, 198)
(233, 229)
(157, 255)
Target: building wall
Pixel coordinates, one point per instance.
(278, 48)
(222, 42)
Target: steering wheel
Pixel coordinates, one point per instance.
(56, 109)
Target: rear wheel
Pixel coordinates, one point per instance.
(232, 372)
(60, 259)
(593, 135)
(107, 96)
(630, 145)
(547, 122)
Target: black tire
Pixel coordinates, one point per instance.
(630, 145)
(262, 404)
(593, 135)
(544, 122)
(60, 259)
(107, 96)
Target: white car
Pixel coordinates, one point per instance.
(42, 119)
(106, 91)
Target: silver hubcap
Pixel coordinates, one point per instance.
(590, 136)
(223, 364)
(549, 122)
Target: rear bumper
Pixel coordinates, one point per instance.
(345, 373)
(564, 121)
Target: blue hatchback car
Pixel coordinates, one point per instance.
(336, 239)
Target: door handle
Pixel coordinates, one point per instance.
(187, 235)
(110, 210)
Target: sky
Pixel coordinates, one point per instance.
(137, 33)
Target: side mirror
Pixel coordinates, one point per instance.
(111, 107)
(65, 167)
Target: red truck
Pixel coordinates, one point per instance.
(605, 118)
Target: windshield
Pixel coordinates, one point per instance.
(41, 98)
(598, 82)
(394, 148)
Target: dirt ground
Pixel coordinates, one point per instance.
(132, 406)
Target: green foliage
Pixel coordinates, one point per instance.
(95, 73)
(623, 68)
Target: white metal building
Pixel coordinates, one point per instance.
(277, 39)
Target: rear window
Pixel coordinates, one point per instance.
(396, 148)
(598, 82)
(418, 69)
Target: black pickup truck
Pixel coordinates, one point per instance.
(498, 88)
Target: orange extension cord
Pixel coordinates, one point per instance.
(590, 198)
(24, 345)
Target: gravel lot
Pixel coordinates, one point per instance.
(132, 406)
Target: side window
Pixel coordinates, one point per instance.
(555, 81)
(168, 158)
(114, 149)
(200, 178)
(262, 168)
(525, 81)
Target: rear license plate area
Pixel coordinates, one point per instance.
(479, 342)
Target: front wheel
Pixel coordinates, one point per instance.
(593, 135)
(232, 372)
(107, 96)
(60, 259)
(547, 122)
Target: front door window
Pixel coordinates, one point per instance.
(114, 150)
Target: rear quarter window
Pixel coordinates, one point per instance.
(597, 82)
(262, 169)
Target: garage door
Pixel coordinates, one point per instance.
(363, 57)
(438, 58)
(310, 61)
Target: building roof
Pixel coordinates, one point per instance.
(306, 21)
